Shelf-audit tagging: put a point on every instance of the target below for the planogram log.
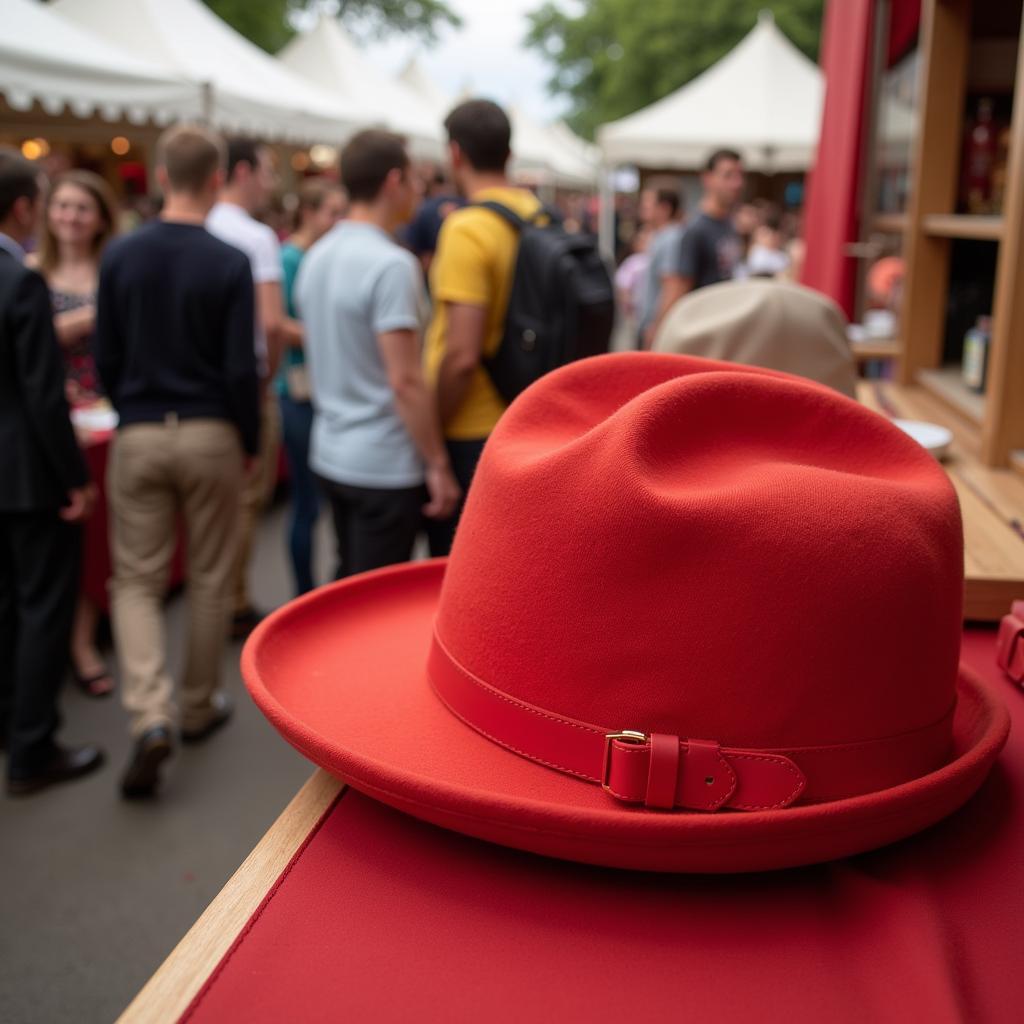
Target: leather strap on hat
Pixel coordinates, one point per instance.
(667, 772)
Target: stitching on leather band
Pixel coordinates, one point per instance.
(516, 750)
(492, 692)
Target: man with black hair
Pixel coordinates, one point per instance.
(45, 495)
(471, 279)
(710, 248)
(248, 187)
(376, 439)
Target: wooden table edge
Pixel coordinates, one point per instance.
(168, 993)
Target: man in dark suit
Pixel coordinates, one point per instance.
(44, 494)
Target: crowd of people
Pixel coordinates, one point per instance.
(672, 254)
(360, 345)
(214, 343)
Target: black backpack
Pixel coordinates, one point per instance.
(562, 303)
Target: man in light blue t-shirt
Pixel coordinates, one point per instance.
(376, 440)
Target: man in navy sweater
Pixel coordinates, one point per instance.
(174, 348)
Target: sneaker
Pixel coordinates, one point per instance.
(142, 776)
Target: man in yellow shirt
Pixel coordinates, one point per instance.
(470, 281)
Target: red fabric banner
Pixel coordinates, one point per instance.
(830, 215)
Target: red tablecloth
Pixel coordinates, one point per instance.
(382, 918)
(96, 565)
(96, 542)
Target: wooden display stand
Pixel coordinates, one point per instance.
(931, 225)
(991, 500)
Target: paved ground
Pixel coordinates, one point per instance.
(95, 892)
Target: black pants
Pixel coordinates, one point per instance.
(464, 456)
(374, 527)
(39, 569)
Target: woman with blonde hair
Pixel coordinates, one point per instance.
(81, 217)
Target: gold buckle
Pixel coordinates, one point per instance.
(626, 736)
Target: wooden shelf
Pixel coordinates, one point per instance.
(889, 223)
(947, 45)
(947, 385)
(1017, 460)
(955, 225)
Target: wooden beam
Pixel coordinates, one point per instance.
(1003, 429)
(945, 47)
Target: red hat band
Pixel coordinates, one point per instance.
(703, 586)
(667, 772)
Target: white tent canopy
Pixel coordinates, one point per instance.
(586, 150)
(46, 59)
(426, 89)
(327, 56)
(544, 154)
(763, 98)
(246, 90)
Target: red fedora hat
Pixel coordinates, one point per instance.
(698, 617)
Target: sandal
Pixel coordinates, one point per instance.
(96, 684)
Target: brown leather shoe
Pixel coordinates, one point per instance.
(142, 776)
(245, 621)
(66, 763)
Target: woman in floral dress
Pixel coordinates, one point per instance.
(81, 216)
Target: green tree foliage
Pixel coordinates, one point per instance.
(271, 23)
(611, 57)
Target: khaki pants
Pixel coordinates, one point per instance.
(256, 492)
(158, 470)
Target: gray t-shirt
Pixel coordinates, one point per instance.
(661, 260)
(709, 251)
(354, 284)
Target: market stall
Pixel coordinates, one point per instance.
(48, 60)
(930, 179)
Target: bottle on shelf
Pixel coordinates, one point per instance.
(976, 347)
(999, 168)
(979, 158)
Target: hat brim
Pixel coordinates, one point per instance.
(341, 673)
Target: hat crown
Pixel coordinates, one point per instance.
(676, 545)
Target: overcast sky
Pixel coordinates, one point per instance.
(486, 55)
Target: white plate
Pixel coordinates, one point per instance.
(96, 418)
(929, 435)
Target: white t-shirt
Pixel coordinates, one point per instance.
(232, 224)
(354, 284)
